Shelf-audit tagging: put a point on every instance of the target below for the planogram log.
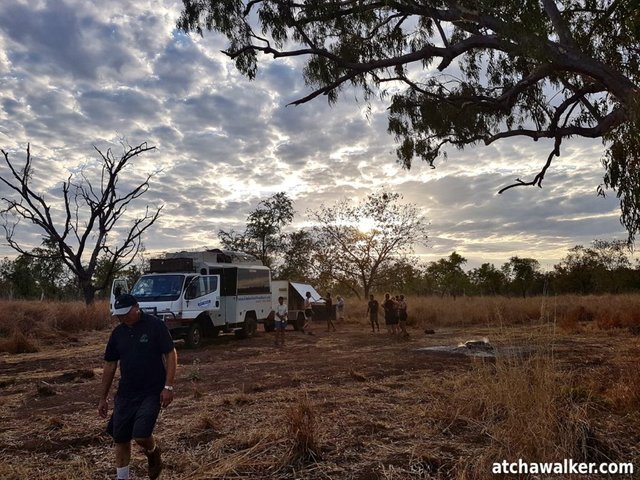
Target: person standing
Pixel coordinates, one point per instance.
(402, 316)
(330, 312)
(282, 314)
(389, 313)
(142, 345)
(340, 309)
(308, 314)
(372, 310)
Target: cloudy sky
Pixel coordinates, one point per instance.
(74, 74)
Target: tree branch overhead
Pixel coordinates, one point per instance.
(543, 69)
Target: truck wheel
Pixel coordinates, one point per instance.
(194, 336)
(249, 327)
(270, 322)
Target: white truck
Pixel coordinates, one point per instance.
(200, 294)
(294, 294)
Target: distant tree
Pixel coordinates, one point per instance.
(447, 275)
(462, 72)
(263, 236)
(22, 280)
(49, 271)
(105, 275)
(522, 274)
(603, 267)
(487, 279)
(402, 275)
(90, 213)
(355, 257)
(297, 257)
(6, 271)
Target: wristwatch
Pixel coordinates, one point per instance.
(168, 387)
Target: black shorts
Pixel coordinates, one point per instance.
(133, 417)
(308, 313)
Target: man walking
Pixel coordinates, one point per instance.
(372, 310)
(142, 345)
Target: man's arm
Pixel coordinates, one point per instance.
(171, 358)
(108, 372)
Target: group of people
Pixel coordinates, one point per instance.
(282, 313)
(395, 314)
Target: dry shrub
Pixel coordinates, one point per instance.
(18, 342)
(301, 431)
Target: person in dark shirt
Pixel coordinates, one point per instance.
(372, 310)
(402, 316)
(330, 312)
(390, 318)
(142, 345)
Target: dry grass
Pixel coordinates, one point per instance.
(355, 405)
(18, 342)
(26, 324)
(572, 313)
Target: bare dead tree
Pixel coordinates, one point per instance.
(81, 228)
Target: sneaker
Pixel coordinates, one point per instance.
(155, 463)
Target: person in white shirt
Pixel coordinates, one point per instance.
(308, 314)
(281, 321)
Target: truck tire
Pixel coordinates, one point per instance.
(270, 322)
(249, 327)
(194, 335)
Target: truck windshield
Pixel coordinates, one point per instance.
(158, 288)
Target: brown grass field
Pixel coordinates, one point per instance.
(346, 405)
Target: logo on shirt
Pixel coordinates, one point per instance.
(144, 338)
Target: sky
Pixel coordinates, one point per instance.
(75, 75)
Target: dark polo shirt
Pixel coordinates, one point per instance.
(139, 349)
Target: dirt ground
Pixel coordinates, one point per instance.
(371, 399)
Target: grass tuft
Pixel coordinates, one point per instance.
(301, 433)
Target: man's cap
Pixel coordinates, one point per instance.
(123, 304)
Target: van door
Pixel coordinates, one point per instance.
(119, 287)
(202, 294)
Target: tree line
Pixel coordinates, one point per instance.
(604, 267)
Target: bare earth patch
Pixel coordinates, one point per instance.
(345, 405)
